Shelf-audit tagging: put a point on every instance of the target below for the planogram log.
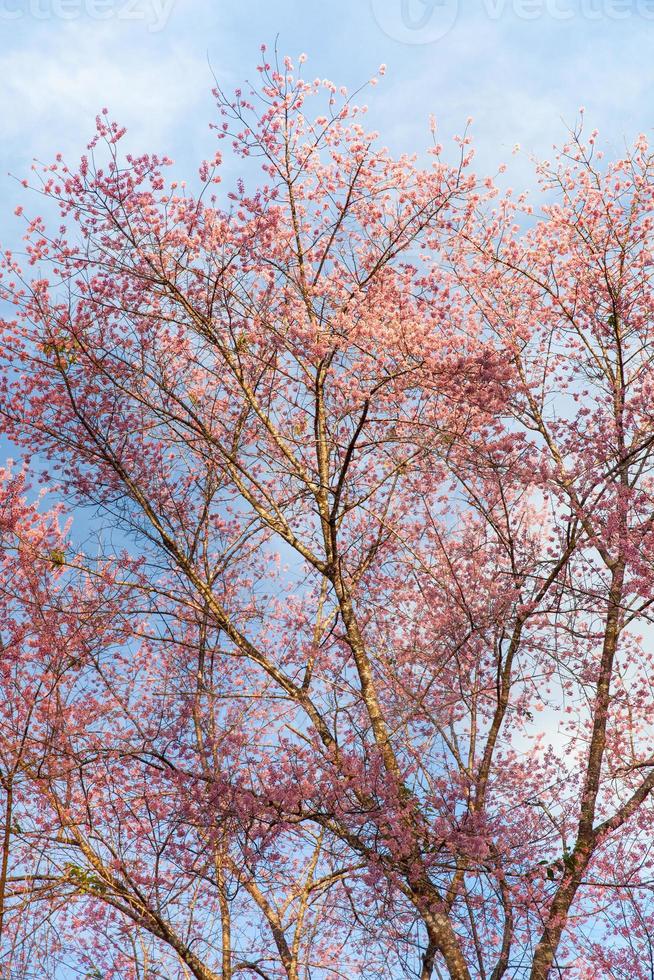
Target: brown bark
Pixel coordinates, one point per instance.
(586, 842)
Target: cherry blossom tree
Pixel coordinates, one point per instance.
(347, 671)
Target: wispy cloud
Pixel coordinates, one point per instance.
(53, 84)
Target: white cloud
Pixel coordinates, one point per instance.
(53, 86)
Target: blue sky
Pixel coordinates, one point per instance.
(521, 68)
